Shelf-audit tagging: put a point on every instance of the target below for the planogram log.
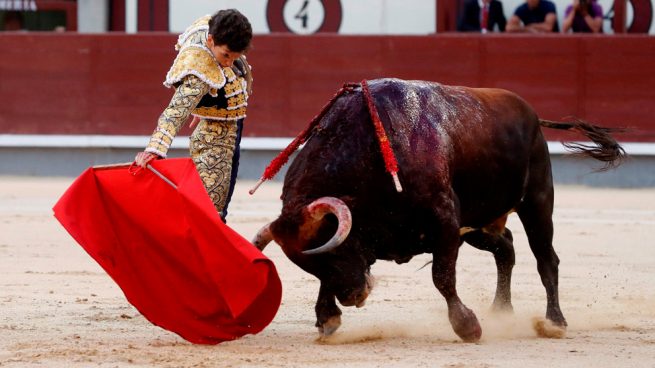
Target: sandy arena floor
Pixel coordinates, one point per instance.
(59, 309)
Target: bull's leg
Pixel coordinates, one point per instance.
(500, 245)
(539, 229)
(464, 322)
(535, 212)
(328, 314)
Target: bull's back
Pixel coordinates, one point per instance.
(476, 141)
(492, 154)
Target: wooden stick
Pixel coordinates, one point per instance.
(161, 176)
(112, 166)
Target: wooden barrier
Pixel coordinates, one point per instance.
(112, 83)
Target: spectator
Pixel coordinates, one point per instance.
(13, 21)
(534, 16)
(482, 16)
(583, 16)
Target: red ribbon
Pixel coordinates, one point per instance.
(390, 162)
(276, 164)
(387, 153)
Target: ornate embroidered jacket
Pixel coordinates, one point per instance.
(202, 88)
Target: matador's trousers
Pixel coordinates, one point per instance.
(214, 148)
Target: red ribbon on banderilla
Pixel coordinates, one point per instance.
(390, 162)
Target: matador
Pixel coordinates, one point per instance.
(216, 95)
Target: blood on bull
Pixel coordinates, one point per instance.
(466, 159)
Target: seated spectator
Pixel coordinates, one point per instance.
(583, 16)
(534, 16)
(482, 16)
(13, 21)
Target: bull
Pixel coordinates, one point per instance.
(467, 158)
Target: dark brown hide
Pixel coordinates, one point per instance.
(466, 158)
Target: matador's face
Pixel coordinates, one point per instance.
(222, 53)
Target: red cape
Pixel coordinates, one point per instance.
(169, 251)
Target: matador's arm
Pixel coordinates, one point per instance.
(186, 97)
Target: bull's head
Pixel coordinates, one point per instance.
(313, 216)
(343, 272)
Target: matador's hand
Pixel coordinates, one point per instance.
(142, 158)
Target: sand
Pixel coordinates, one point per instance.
(59, 309)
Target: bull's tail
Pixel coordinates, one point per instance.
(606, 148)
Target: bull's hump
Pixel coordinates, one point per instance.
(402, 85)
(438, 103)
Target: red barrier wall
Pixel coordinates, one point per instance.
(111, 83)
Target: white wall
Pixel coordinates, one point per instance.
(388, 17)
(93, 16)
(359, 16)
(183, 12)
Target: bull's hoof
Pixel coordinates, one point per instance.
(499, 307)
(465, 323)
(557, 318)
(332, 324)
(548, 329)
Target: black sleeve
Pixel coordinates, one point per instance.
(499, 15)
(468, 20)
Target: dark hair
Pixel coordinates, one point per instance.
(230, 27)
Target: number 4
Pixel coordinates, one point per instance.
(302, 14)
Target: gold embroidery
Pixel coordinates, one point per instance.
(194, 58)
(220, 114)
(198, 61)
(212, 150)
(229, 74)
(185, 98)
(236, 106)
(200, 24)
(213, 142)
(233, 87)
(236, 101)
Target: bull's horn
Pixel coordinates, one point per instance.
(318, 209)
(263, 237)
